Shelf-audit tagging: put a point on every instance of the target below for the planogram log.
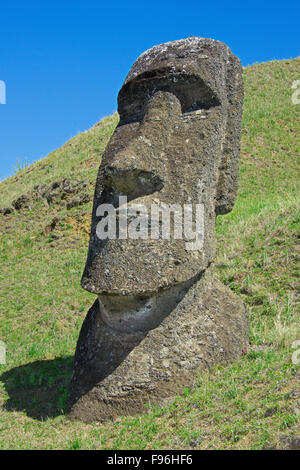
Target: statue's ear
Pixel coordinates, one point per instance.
(228, 168)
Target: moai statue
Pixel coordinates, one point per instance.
(161, 316)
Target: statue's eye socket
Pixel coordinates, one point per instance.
(193, 93)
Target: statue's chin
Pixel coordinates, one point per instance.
(130, 313)
(142, 267)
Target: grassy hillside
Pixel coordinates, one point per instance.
(253, 403)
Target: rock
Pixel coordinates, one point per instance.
(49, 228)
(58, 191)
(294, 443)
(287, 443)
(6, 210)
(22, 202)
(270, 412)
(161, 316)
(79, 200)
(63, 191)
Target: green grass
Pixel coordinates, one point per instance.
(20, 165)
(250, 404)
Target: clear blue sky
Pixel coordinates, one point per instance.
(63, 62)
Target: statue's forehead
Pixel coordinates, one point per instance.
(191, 56)
(195, 70)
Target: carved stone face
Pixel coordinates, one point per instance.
(177, 142)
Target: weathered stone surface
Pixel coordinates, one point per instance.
(6, 210)
(118, 371)
(285, 443)
(49, 228)
(61, 192)
(78, 200)
(64, 190)
(160, 315)
(22, 202)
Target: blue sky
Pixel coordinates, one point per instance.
(63, 62)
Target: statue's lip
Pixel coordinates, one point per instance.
(88, 285)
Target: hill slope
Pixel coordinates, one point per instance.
(44, 234)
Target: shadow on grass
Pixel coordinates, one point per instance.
(39, 388)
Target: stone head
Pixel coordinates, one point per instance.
(177, 143)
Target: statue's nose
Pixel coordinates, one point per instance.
(163, 106)
(131, 153)
(132, 169)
